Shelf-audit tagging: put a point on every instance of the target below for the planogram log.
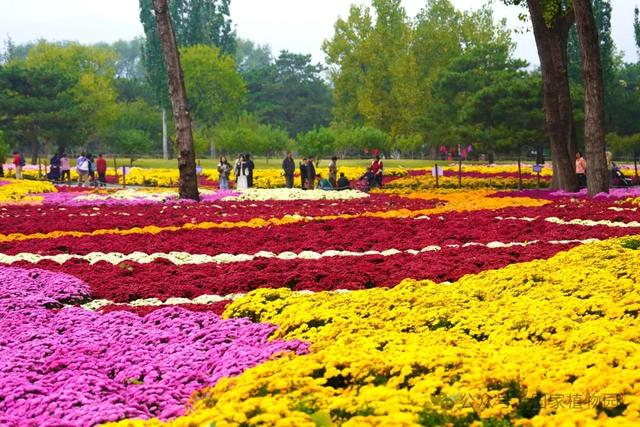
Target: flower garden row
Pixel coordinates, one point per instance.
(473, 176)
(403, 307)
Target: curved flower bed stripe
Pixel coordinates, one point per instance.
(79, 368)
(456, 203)
(185, 258)
(200, 302)
(581, 222)
(355, 235)
(254, 194)
(18, 191)
(90, 218)
(143, 310)
(130, 281)
(525, 345)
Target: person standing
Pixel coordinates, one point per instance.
(377, 169)
(65, 168)
(303, 174)
(54, 168)
(289, 168)
(250, 167)
(581, 170)
(224, 169)
(82, 167)
(101, 168)
(333, 172)
(92, 168)
(18, 163)
(242, 174)
(311, 174)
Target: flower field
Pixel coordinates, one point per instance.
(404, 307)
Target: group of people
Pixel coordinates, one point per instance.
(86, 165)
(309, 176)
(243, 171)
(616, 177)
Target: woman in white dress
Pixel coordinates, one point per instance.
(241, 174)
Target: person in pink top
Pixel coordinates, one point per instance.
(65, 168)
(581, 170)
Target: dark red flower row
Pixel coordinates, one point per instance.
(161, 279)
(43, 219)
(358, 234)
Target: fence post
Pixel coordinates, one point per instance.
(519, 174)
(39, 169)
(124, 178)
(115, 169)
(437, 179)
(460, 172)
(635, 164)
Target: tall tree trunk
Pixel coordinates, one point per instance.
(551, 41)
(597, 173)
(35, 147)
(165, 136)
(188, 184)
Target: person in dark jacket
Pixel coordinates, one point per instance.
(343, 182)
(250, 167)
(54, 170)
(289, 168)
(303, 174)
(311, 174)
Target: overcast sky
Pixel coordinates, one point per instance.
(296, 25)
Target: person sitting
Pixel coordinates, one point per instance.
(343, 182)
(323, 183)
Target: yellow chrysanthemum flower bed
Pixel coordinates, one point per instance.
(426, 182)
(274, 178)
(484, 169)
(544, 343)
(21, 190)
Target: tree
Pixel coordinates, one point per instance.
(188, 182)
(133, 131)
(626, 102)
(360, 139)
(609, 59)
(216, 90)
(196, 22)
(318, 143)
(58, 95)
(251, 56)
(597, 174)
(636, 26)
(551, 21)
(247, 135)
(290, 94)
(373, 69)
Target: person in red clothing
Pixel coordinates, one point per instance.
(101, 168)
(377, 168)
(18, 163)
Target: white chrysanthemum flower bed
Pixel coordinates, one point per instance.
(263, 194)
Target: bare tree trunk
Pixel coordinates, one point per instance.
(597, 173)
(551, 41)
(188, 184)
(165, 137)
(35, 147)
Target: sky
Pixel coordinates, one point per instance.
(299, 26)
